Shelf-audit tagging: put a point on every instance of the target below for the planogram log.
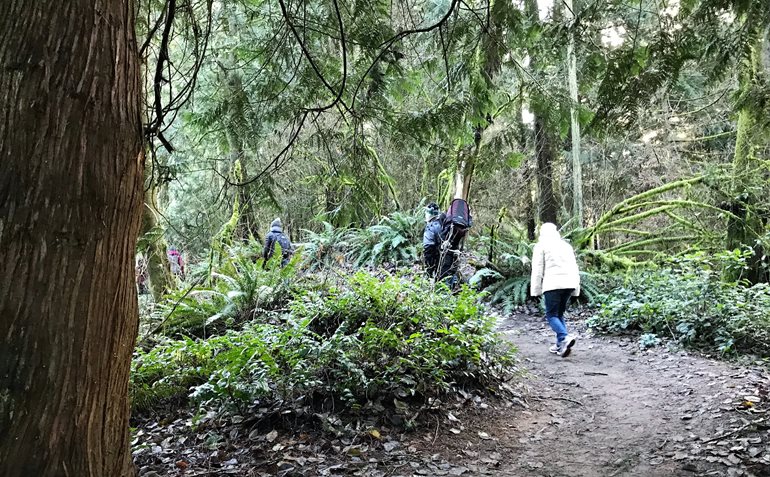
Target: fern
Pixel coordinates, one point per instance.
(240, 289)
(392, 240)
(322, 249)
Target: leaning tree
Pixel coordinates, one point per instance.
(71, 152)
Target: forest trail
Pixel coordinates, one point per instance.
(611, 409)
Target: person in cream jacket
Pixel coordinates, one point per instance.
(555, 275)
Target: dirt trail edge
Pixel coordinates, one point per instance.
(611, 409)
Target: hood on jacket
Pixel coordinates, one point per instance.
(549, 232)
(276, 225)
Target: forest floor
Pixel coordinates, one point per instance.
(609, 409)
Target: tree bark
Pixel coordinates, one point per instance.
(155, 251)
(545, 155)
(752, 135)
(577, 170)
(71, 162)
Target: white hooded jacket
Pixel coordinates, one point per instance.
(554, 266)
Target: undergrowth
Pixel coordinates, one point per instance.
(687, 300)
(243, 287)
(394, 240)
(362, 345)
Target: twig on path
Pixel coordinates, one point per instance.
(595, 373)
(545, 398)
(735, 431)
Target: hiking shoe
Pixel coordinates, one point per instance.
(566, 346)
(554, 349)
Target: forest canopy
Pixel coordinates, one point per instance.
(318, 216)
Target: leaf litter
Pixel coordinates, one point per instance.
(685, 414)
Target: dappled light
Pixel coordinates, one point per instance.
(389, 239)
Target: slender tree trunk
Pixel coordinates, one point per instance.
(155, 252)
(522, 136)
(237, 103)
(464, 175)
(70, 208)
(237, 125)
(752, 135)
(577, 173)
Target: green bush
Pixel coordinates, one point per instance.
(688, 301)
(325, 248)
(393, 240)
(365, 341)
(240, 289)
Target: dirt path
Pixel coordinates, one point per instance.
(612, 410)
(608, 410)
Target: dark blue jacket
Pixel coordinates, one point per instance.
(431, 238)
(276, 235)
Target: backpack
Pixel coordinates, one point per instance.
(456, 223)
(285, 243)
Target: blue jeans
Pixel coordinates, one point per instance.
(555, 305)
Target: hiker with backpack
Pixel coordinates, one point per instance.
(555, 275)
(431, 239)
(444, 238)
(454, 228)
(276, 235)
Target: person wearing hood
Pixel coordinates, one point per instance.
(555, 275)
(431, 239)
(276, 235)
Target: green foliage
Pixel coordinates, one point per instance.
(242, 288)
(649, 340)
(689, 302)
(367, 343)
(325, 248)
(393, 240)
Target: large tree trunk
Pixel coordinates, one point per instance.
(545, 155)
(70, 205)
(545, 151)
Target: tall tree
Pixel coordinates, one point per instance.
(70, 207)
(752, 136)
(545, 148)
(577, 172)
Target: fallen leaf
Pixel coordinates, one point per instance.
(391, 445)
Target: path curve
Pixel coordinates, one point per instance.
(611, 409)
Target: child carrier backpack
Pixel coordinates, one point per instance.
(456, 223)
